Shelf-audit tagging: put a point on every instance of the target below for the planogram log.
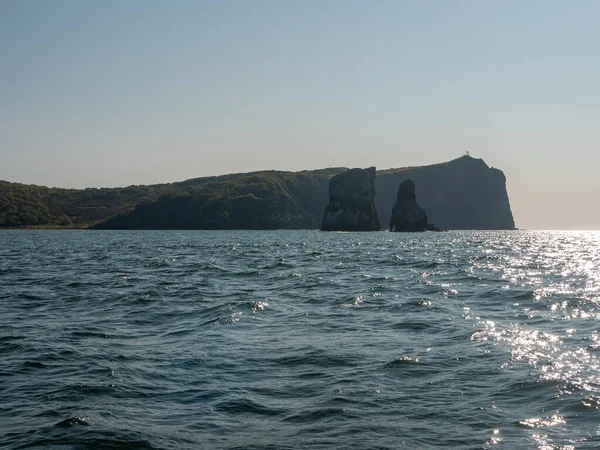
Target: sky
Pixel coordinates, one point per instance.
(113, 93)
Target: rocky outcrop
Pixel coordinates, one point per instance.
(407, 215)
(352, 202)
(462, 194)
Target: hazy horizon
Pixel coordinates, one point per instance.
(113, 94)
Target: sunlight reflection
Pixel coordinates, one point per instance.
(536, 422)
(544, 444)
(576, 369)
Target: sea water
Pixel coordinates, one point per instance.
(299, 339)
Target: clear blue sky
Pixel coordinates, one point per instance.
(112, 93)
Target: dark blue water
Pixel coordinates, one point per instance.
(299, 339)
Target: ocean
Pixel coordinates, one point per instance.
(299, 340)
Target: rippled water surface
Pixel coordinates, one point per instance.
(299, 339)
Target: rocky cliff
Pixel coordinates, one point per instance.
(464, 193)
(351, 202)
(407, 215)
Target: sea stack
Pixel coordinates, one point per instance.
(407, 215)
(352, 202)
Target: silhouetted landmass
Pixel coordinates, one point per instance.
(351, 202)
(460, 194)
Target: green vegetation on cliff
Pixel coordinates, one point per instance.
(260, 200)
(24, 205)
(269, 199)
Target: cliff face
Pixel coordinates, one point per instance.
(351, 202)
(461, 194)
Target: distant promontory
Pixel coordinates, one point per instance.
(460, 194)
